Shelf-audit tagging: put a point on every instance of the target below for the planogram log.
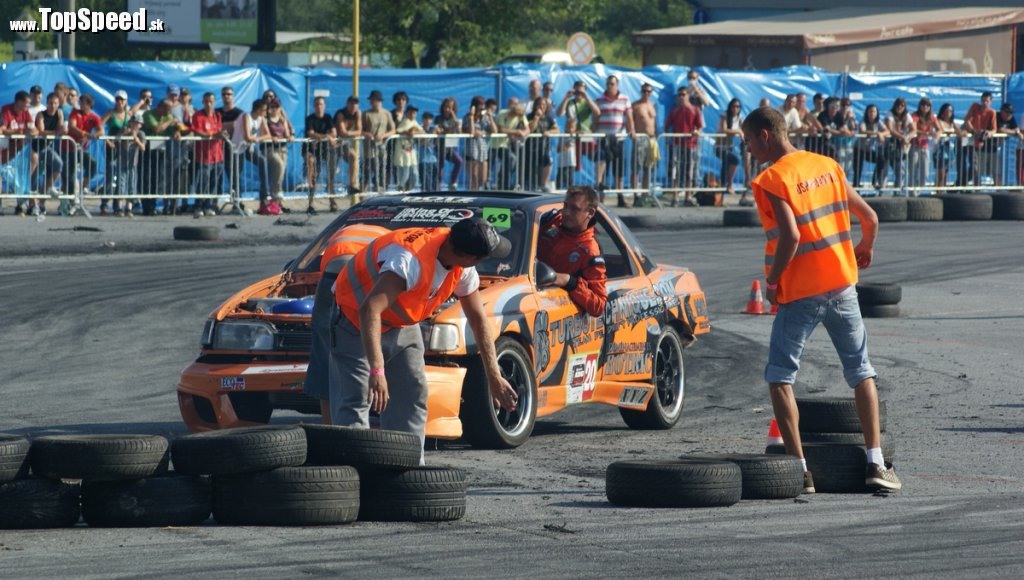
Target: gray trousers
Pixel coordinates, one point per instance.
(403, 367)
(325, 310)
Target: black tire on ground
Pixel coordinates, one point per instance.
(334, 445)
(1008, 206)
(833, 415)
(880, 310)
(13, 457)
(837, 468)
(669, 379)
(169, 500)
(240, 450)
(640, 222)
(879, 293)
(924, 209)
(424, 494)
(196, 233)
(288, 496)
(889, 209)
(888, 441)
(99, 457)
(967, 207)
(764, 476)
(36, 502)
(485, 426)
(681, 483)
(741, 218)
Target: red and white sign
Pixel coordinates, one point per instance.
(582, 375)
(581, 48)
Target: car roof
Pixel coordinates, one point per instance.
(524, 200)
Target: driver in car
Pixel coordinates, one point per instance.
(568, 245)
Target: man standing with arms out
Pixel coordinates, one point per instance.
(616, 115)
(348, 124)
(319, 150)
(645, 147)
(686, 121)
(567, 244)
(383, 294)
(805, 201)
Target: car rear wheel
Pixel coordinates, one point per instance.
(669, 379)
(483, 424)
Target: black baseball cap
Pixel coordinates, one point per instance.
(36, 89)
(376, 96)
(476, 237)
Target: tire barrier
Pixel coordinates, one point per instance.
(423, 494)
(13, 457)
(287, 496)
(924, 209)
(879, 300)
(679, 483)
(764, 476)
(242, 450)
(196, 233)
(333, 445)
(99, 457)
(741, 218)
(833, 415)
(38, 502)
(168, 500)
(972, 207)
(1007, 206)
(889, 209)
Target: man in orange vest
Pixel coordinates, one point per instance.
(383, 293)
(338, 250)
(805, 201)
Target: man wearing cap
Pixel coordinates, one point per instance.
(348, 124)
(383, 293)
(378, 125)
(1006, 124)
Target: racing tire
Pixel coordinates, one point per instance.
(99, 457)
(669, 379)
(879, 310)
(424, 494)
(889, 209)
(487, 427)
(879, 293)
(764, 476)
(924, 209)
(36, 502)
(837, 468)
(196, 233)
(1007, 206)
(239, 450)
(13, 457)
(888, 442)
(744, 218)
(287, 496)
(679, 483)
(335, 445)
(833, 415)
(170, 500)
(967, 207)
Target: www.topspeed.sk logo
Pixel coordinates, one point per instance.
(86, 20)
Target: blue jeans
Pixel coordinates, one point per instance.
(839, 311)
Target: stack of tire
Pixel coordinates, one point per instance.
(703, 480)
(950, 207)
(108, 480)
(879, 300)
(833, 443)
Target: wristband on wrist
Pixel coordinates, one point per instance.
(376, 372)
(770, 286)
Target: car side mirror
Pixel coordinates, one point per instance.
(288, 265)
(544, 274)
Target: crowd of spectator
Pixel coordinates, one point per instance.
(170, 149)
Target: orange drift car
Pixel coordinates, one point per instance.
(256, 345)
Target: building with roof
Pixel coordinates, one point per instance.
(978, 40)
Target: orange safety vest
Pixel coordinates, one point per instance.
(414, 304)
(348, 241)
(824, 257)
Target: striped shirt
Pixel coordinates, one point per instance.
(613, 113)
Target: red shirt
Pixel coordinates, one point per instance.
(685, 119)
(208, 151)
(86, 122)
(19, 122)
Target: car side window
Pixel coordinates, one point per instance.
(616, 258)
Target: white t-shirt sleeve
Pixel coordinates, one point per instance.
(468, 283)
(397, 259)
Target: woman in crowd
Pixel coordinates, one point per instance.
(925, 128)
(728, 147)
(250, 131)
(900, 126)
(479, 124)
(945, 148)
(870, 142)
(537, 165)
(281, 135)
(115, 169)
(448, 123)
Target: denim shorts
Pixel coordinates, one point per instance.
(839, 311)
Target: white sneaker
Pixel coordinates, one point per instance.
(210, 212)
(35, 211)
(54, 193)
(197, 214)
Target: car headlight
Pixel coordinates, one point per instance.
(443, 337)
(243, 335)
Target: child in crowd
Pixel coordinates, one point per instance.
(428, 155)
(406, 173)
(567, 156)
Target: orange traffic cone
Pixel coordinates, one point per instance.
(774, 435)
(756, 303)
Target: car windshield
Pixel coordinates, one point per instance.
(510, 222)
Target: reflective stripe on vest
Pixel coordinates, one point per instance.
(413, 305)
(349, 240)
(813, 186)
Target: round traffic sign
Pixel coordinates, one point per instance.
(581, 48)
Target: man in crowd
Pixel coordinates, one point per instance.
(568, 245)
(348, 124)
(804, 201)
(615, 118)
(16, 124)
(383, 293)
(209, 152)
(378, 125)
(645, 147)
(83, 126)
(229, 115)
(320, 151)
(686, 121)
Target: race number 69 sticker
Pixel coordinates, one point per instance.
(499, 217)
